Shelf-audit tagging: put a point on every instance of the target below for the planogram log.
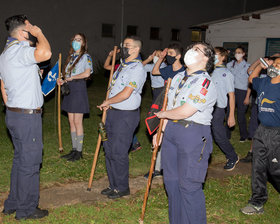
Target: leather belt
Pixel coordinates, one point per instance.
(185, 123)
(112, 108)
(25, 111)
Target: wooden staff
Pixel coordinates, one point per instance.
(103, 120)
(58, 107)
(154, 156)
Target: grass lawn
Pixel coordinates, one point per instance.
(223, 198)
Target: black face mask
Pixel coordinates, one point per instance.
(170, 60)
(124, 52)
(32, 39)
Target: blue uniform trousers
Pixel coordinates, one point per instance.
(26, 133)
(184, 172)
(156, 92)
(254, 122)
(120, 126)
(241, 112)
(219, 134)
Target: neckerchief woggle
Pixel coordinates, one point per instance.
(120, 68)
(183, 81)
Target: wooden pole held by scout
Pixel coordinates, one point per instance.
(59, 107)
(154, 156)
(103, 120)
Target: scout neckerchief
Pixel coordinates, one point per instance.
(71, 62)
(183, 81)
(120, 68)
(10, 42)
(220, 66)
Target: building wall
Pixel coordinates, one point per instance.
(254, 31)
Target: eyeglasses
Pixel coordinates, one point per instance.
(198, 49)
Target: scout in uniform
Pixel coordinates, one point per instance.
(187, 140)
(123, 116)
(21, 90)
(224, 82)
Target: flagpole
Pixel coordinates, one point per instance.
(58, 107)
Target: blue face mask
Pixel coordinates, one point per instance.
(216, 59)
(76, 45)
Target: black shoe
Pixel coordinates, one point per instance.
(156, 173)
(8, 212)
(107, 191)
(137, 146)
(77, 155)
(69, 155)
(117, 194)
(37, 214)
(242, 139)
(248, 158)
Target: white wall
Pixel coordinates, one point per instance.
(254, 31)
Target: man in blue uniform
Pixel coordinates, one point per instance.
(187, 140)
(21, 91)
(123, 116)
(266, 141)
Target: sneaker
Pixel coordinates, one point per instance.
(8, 212)
(37, 214)
(252, 209)
(230, 165)
(156, 173)
(242, 139)
(69, 155)
(248, 158)
(76, 156)
(107, 191)
(137, 146)
(117, 194)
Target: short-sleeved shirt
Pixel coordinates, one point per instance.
(156, 80)
(224, 82)
(20, 74)
(168, 72)
(128, 75)
(239, 71)
(268, 101)
(199, 91)
(84, 63)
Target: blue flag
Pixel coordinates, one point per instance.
(49, 82)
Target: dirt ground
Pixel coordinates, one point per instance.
(73, 193)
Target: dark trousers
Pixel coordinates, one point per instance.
(254, 122)
(219, 134)
(120, 126)
(266, 161)
(241, 112)
(156, 92)
(184, 172)
(26, 133)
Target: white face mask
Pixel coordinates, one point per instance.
(190, 57)
(216, 59)
(238, 56)
(155, 59)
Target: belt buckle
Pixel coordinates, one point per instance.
(30, 111)
(187, 125)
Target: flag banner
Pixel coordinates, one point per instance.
(49, 82)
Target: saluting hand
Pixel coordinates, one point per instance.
(34, 30)
(163, 53)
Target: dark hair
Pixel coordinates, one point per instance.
(14, 22)
(176, 47)
(136, 39)
(84, 49)
(208, 52)
(223, 52)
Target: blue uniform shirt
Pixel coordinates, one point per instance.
(168, 72)
(156, 80)
(268, 101)
(84, 63)
(131, 75)
(20, 74)
(224, 83)
(239, 71)
(198, 91)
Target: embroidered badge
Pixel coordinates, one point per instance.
(133, 84)
(206, 83)
(224, 75)
(182, 102)
(196, 99)
(203, 91)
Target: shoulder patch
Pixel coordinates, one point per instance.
(206, 83)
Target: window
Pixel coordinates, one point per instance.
(154, 34)
(131, 31)
(108, 30)
(175, 35)
(196, 35)
(272, 46)
(231, 46)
